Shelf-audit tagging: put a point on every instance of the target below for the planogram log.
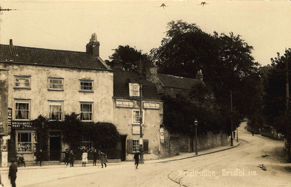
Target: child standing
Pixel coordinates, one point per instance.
(84, 158)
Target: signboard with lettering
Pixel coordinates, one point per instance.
(136, 129)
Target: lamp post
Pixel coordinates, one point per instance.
(196, 125)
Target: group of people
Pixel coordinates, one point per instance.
(70, 158)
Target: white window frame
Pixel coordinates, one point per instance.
(22, 81)
(55, 86)
(134, 121)
(134, 89)
(17, 109)
(150, 105)
(83, 87)
(25, 146)
(135, 146)
(56, 103)
(90, 112)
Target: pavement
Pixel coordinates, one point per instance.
(181, 156)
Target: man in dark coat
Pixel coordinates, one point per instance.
(39, 156)
(103, 158)
(67, 159)
(95, 155)
(72, 158)
(12, 172)
(136, 159)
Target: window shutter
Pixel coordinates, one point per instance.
(146, 145)
(129, 145)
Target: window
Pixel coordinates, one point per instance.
(22, 82)
(151, 105)
(136, 117)
(134, 90)
(133, 146)
(56, 83)
(86, 85)
(124, 104)
(86, 111)
(55, 111)
(22, 109)
(24, 142)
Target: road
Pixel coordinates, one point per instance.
(239, 166)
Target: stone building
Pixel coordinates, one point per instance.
(53, 83)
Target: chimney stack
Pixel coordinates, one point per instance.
(11, 42)
(92, 47)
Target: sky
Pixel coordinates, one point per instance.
(68, 25)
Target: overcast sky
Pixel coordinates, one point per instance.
(68, 25)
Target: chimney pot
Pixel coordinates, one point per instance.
(11, 42)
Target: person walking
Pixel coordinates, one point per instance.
(72, 158)
(95, 155)
(103, 158)
(12, 172)
(84, 158)
(136, 159)
(40, 157)
(67, 159)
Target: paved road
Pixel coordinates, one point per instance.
(233, 167)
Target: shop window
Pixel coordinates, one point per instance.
(24, 142)
(86, 141)
(86, 111)
(22, 109)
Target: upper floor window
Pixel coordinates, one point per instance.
(86, 111)
(22, 82)
(86, 85)
(56, 111)
(134, 89)
(22, 109)
(56, 83)
(136, 117)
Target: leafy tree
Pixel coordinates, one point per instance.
(275, 91)
(226, 62)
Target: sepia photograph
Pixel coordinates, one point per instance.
(145, 93)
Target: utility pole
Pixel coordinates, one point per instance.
(287, 110)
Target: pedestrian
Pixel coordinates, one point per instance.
(72, 158)
(39, 157)
(253, 132)
(1, 184)
(84, 158)
(103, 158)
(95, 155)
(21, 160)
(136, 159)
(12, 172)
(67, 159)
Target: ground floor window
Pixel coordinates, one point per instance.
(24, 142)
(86, 141)
(133, 145)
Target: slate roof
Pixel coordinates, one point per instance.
(49, 57)
(177, 82)
(121, 86)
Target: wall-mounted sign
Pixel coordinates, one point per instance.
(136, 129)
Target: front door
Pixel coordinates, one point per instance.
(55, 145)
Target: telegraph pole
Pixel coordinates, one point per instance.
(231, 126)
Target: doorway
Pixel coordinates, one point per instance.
(55, 146)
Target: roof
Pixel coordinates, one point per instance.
(49, 57)
(177, 82)
(122, 79)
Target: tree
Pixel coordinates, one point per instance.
(226, 62)
(128, 58)
(275, 91)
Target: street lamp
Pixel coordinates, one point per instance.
(196, 125)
